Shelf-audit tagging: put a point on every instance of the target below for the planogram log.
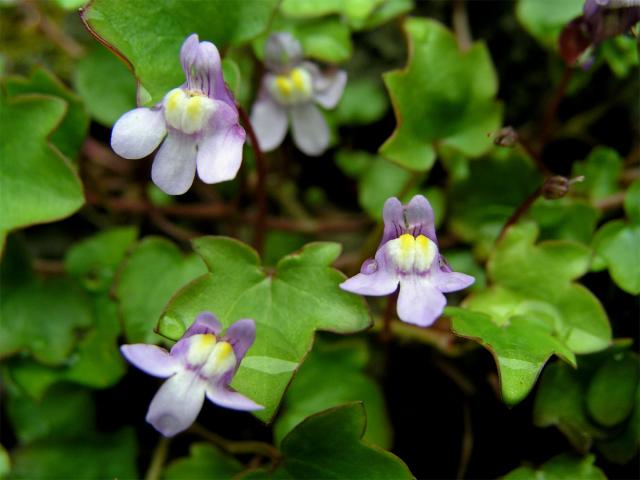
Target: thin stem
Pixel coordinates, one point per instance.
(610, 203)
(526, 146)
(467, 443)
(157, 460)
(385, 333)
(237, 447)
(261, 187)
(461, 25)
(520, 211)
(552, 110)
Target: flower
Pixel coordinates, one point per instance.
(199, 120)
(600, 20)
(408, 255)
(202, 363)
(289, 90)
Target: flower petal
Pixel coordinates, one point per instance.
(420, 218)
(138, 133)
(419, 302)
(269, 121)
(177, 404)
(205, 322)
(220, 154)
(188, 55)
(281, 50)
(241, 335)
(151, 359)
(175, 164)
(228, 398)
(329, 88)
(378, 278)
(310, 130)
(393, 216)
(452, 281)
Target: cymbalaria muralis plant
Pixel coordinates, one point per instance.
(243, 303)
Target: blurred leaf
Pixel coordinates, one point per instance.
(42, 318)
(95, 260)
(561, 467)
(331, 375)
(386, 11)
(64, 412)
(153, 272)
(617, 243)
(565, 219)
(5, 463)
(606, 387)
(105, 85)
(545, 20)
(38, 185)
(364, 101)
(601, 169)
(205, 462)
(308, 455)
(612, 390)
(325, 39)
(355, 12)
(96, 456)
(442, 98)
(70, 133)
(149, 35)
(520, 346)
(481, 204)
(71, 4)
(288, 305)
(621, 54)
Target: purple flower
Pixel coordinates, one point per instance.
(202, 363)
(199, 120)
(600, 20)
(290, 90)
(408, 255)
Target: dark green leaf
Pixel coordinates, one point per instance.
(205, 462)
(562, 467)
(545, 20)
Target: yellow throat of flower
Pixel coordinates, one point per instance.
(411, 253)
(187, 112)
(293, 87)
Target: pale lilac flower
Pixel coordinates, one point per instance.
(408, 255)
(289, 92)
(199, 120)
(202, 363)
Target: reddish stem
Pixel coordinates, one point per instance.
(550, 115)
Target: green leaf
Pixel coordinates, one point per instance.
(481, 203)
(545, 20)
(38, 185)
(69, 135)
(612, 391)
(5, 462)
(149, 35)
(95, 260)
(205, 462)
(520, 346)
(565, 219)
(621, 54)
(561, 467)
(288, 305)
(332, 375)
(94, 456)
(364, 101)
(354, 11)
(64, 412)
(105, 85)
(617, 243)
(601, 170)
(632, 202)
(42, 318)
(443, 97)
(154, 271)
(326, 39)
(308, 454)
(386, 11)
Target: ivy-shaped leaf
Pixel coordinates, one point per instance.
(332, 375)
(545, 20)
(617, 243)
(601, 170)
(442, 98)
(154, 271)
(561, 467)
(533, 309)
(37, 183)
(307, 453)
(288, 305)
(149, 34)
(69, 136)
